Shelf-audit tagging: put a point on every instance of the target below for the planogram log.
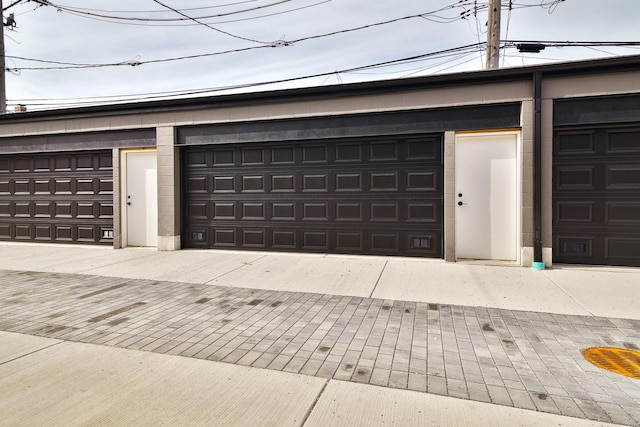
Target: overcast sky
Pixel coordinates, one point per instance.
(140, 31)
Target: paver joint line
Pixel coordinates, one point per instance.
(521, 359)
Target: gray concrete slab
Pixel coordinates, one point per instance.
(350, 404)
(74, 384)
(181, 266)
(602, 291)
(504, 287)
(66, 258)
(344, 275)
(15, 346)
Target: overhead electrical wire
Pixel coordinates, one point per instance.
(214, 28)
(174, 94)
(186, 23)
(146, 20)
(454, 62)
(454, 56)
(506, 36)
(112, 15)
(184, 17)
(415, 70)
(71, 65)
(162, 11)
(12, 4)
(551, 6)
(459, 52)
(560, 43)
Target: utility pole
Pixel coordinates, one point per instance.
(493, 34)
(3, 67)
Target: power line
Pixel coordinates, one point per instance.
(442, 15)
(134, 63)
(557, 43)
(165, 95)
(12, 4)
(88, 12)
(213, 28)
(161, 11)
(146, 20)
(71, 65)
(506, 34)
(458, 52)
(183, 22)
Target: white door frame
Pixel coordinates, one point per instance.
(518, 201)
(123, 190)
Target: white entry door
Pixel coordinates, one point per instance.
(140, 198)
(486, 196)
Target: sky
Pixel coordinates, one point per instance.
(235, 46)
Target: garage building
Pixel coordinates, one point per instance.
(509, 166)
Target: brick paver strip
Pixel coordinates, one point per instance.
(514, 358)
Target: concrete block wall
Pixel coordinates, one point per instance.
(168, 169)
(527, 184)
(449, 196)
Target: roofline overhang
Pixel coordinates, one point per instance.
(565, 69)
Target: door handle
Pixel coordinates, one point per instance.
(129, 200)
(460, 203)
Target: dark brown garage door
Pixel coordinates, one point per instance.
(375, 196)
(596, 196)
(61, 197)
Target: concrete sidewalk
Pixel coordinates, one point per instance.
(328, 329)
(590, 291)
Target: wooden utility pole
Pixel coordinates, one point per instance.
(493, 34)
(3, 67)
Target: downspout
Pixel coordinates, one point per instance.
(538, 263)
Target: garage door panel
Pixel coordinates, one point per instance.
(623, 142)
(574, 248)
(351, 196)
(596, 196)
(43, 232)
(66, 197)
(318, 239)
(354, 209)
(571, 212)
(571, 143)
(622, 248)
(23, 232)
(623, 177)
(623, 213)
(575, 177)
(284, 239)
